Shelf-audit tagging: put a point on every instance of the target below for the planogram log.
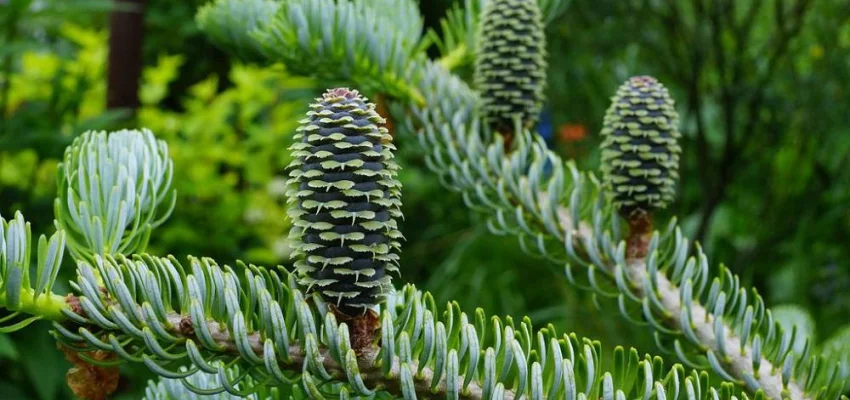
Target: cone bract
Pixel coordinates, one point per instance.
(346, 199)
(510, 67)
(640, 149)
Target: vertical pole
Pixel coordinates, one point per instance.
(126, 31)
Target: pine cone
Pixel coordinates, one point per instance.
(640, 149)
(346, 199)
(510, 68)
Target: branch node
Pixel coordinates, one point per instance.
(640, 234)
(364, 329)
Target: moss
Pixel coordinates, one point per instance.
(640, 149)
(346, 200)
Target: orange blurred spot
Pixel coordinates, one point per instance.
(572, 132)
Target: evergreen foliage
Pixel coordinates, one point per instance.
(268, 332)
(116, 189)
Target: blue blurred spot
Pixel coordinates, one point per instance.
(545, 128)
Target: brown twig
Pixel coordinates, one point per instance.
(640, 233)
(364, 328)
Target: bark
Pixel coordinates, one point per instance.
(126, 31)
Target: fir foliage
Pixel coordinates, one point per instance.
(249, 327)
(706, 318)
(114, 189)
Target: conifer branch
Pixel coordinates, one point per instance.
(523, 200)
(155, 311)
(263, 321)
(499, 184)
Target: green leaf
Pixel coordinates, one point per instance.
(11, 392)
(793, 315)
(837, 349)
(42, 352)
(838, 343)
(8, 348)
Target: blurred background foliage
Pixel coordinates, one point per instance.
(761, 86)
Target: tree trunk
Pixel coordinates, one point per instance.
(125, 54)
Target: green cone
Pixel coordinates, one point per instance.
(640, 149)
(345, 200)
(510, 67)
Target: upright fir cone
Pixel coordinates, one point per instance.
(510, 67)
(640, 149)
(640, 156)
(345, 201)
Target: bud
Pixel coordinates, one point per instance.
(114, 189)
